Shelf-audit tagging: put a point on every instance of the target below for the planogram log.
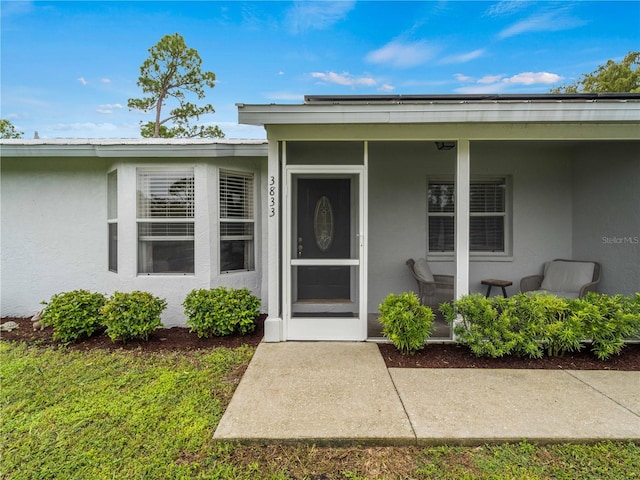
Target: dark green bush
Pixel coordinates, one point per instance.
(481, 327)
(73, 314)
(609, 320)
(406, 322)
(534, 324)
(221, 311)
(132, 315)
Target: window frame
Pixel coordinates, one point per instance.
(112, 220)
(145, 218)
(245, 218)
(506, 214)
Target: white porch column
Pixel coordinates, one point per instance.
(463, 178)
(273, 330)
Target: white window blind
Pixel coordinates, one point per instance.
(167, 194)
(165, 211)
(236, 221)
(488, 211)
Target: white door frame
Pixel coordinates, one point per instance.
(323, 328)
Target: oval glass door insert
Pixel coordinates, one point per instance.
(323, 224)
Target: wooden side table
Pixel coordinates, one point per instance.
(492, 282)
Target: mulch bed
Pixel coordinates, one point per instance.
(432, 356)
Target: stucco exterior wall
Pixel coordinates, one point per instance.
(541, 210)
(606, 202)
(54, 231)
(54, 235)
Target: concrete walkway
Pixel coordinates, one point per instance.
(332, 393)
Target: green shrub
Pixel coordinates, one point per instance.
(73, 314)
(609, 320)
(132, 315)
(535, 324)
(406, 322)
(221, 311)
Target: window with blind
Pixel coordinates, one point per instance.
(488, 215)
(237, 222)
(112, 220)
(165, 217)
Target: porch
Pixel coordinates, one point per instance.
(481, 190)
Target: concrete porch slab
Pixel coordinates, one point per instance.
(471, 406)
(321, 392)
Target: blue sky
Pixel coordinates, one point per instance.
(68, 68)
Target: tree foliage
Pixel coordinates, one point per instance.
(172, 71)
(7, 130)
(611, 77)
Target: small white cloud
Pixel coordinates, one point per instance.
(498, 83)
(385, 87)
(280, 73)
(111, 105)
(82, 81)
(487, 79)
(314, 15)
(533, 78)
(105, 80)
(463, 78)
(345, 79)
(463, 57)
(506, 7)
(554, 21)
(402, 54)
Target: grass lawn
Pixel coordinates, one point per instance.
(128, 415)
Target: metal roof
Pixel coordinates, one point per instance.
(447, 109)
(122, 147)
(461, 98)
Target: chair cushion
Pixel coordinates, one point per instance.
(423, 271)
(562, 276)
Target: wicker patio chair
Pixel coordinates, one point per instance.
(564, 278)
(432, 289)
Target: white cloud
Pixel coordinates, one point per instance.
(554, 21)
(490, 79)
(82, 81)
(533, 78)
(345, 79)
(402, 54)
(105, 80)
(317, 15)
(108, 108)
(386, 88)
(506, 7)
(463, 78)
(498, 83)
(463, 57)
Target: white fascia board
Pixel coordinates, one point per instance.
(144, 148)
(463, 112)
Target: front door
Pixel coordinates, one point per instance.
(324, 278)
(324, 231)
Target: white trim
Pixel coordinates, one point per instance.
(462, 215)
(305, 328)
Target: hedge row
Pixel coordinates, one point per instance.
(135, 315)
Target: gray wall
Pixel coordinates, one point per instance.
(606, 202)
(542, 210)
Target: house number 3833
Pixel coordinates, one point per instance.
(272, 196)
